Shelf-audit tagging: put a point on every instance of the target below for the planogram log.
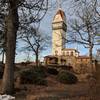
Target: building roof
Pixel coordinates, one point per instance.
(50, 56)
(83, 57)
(70, 49)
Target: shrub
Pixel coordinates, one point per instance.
(66, 77)
(26, 76)
(52, 71)
(33, 76)
(40, 71)
(40, 81)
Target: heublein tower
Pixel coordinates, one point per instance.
(59, 29)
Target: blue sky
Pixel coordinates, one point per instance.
(46, 26)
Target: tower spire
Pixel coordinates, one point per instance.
(58, 4)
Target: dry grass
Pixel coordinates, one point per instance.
(56, 91)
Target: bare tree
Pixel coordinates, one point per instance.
(35, 42)
(2, 45)
(86, 26)
(2, 33)
(14, 11)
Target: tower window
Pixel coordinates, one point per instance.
(56, 52)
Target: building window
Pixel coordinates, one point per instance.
(67, 53)
(71, 53)
(63, 53)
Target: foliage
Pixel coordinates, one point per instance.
(33, 76)
(40, 71)
(40, 81)
(52, 71)
(67, 77)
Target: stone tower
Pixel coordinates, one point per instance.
(59, 29)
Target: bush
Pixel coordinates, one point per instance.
(26, 76)
(52, 71)
(40, 71)
(40, 81)
(33, 76)
(67, 77)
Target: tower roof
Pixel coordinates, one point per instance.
(61, 16)
(61, 12)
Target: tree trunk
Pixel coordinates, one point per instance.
(37, 60)
(12, 27)
(90, 55)
(3, 53)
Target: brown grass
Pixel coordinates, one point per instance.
(57, 91)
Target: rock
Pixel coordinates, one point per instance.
(6, 97)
